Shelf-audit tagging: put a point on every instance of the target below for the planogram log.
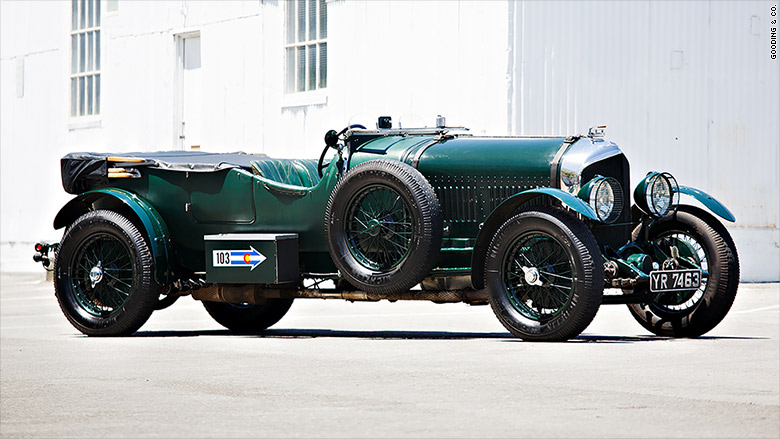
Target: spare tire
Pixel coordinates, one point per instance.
(384, 226)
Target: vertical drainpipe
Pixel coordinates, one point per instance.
(520, 72)
(184, 11)
(510, 69)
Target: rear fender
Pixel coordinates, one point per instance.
(153, 224)
(504, 211)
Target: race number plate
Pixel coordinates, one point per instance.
(674, 280)
(252, 258)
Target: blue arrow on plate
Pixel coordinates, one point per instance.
(245, 258)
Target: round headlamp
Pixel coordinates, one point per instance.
(658, 194)
(605, 196)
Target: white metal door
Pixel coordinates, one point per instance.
(191, 129)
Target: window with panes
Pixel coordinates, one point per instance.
(85, 58)
(306, 46)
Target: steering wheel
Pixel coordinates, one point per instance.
(331, 141)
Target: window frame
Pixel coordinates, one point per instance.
(79, 34)
(293, 94)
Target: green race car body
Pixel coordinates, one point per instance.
(392, 209)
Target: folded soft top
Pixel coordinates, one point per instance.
(82, 170)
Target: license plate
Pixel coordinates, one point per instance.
(674, 280)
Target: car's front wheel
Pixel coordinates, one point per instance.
(705, 242)
(544, 275)
(103, 275)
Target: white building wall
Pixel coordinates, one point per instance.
(497, 67)
(31, 126)
(410, 59)
(684, 87)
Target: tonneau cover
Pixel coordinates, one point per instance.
(84, 170)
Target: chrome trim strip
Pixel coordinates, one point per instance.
(421, 150)
(581, 154)
(555, 165)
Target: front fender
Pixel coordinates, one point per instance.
(503, 212)
(711, 203)
(574, 203)
(153, 224)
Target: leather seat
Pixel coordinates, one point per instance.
(294, 172)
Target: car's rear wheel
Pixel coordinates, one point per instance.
(247, 317)
(165, 301)
(544, 275)
(384, 226)
(705, 242)
(103, 275)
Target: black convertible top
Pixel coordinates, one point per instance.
(82, 170)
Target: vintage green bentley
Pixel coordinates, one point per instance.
(541, 228)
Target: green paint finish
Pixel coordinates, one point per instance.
(472, 176)
(238, 202)
(391, 147)
(566, 198)
(475, 157)
(711, 203)
(479, 181)
(152, 220)
(638, 260)
(468, 157)
(626, 269)
(231, 190)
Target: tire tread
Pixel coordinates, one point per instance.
(431, 219)
(713, 306)
(586, 248)
(144, 299)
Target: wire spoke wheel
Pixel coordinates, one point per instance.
(702, 241)
(544, 275)
(538, 276)
(384, 226)
(102, 274)
(692, 251)
(379, 227)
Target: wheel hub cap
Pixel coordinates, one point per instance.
(96, 274)
(373, 227)
(379, 227)
(532, 276)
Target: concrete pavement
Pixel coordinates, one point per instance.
(340, 369)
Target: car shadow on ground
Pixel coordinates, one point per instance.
(330, 333)
(410, 335)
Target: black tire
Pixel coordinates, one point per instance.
(122, 295)
(248, 317)
(698, 312)
(557, 295)
(384, 226)
(165, 301)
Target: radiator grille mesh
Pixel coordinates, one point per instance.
(471, 199)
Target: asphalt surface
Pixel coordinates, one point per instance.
(340, 369)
